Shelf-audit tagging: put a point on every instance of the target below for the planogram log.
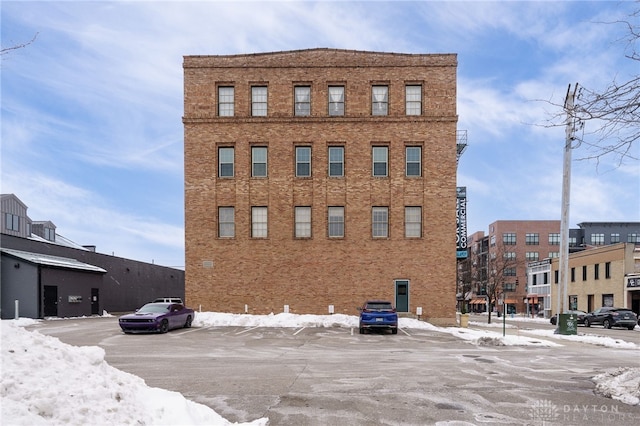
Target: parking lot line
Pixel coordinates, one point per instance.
(299, 331)
(248, 329)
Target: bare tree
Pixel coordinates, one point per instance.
(614, 111)
(464, 282)
(499, 263)
(7, 50)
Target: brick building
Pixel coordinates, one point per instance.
(318, 178)
(533, 246)
(507, 250)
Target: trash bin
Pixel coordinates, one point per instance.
(568, 324)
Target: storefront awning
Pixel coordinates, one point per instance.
(478, 301)
(510, 301)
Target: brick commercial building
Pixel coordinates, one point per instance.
(501, 258)
(318, 178)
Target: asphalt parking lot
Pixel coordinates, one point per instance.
(335, 376)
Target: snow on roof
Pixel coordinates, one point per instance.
(45, 259)
(60, 240)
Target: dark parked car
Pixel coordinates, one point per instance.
(157, 317)
(378, 314)
(612, 317)
(580, 314)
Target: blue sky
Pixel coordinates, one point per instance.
(92, 135)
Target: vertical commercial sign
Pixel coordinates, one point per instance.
(461, 222)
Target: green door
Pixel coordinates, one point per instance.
(402, 295)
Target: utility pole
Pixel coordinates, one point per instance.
(563, 261)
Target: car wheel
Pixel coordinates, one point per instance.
(631, 327)
(587, 323)
(187, 323)
(606, 323)
(361, 330)
(553, 321)
(394, 331)
(164, 326)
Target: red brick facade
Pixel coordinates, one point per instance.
(262, 275)
(528, 241)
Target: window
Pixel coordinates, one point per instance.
(532, 239)
(597, 239)
(259, 161)
(413, 160)
(336, 222)
(573, 275)
(380, 222)
(303, 222)
(633, 238)
(336, 161)
(510, 255)
(336, 100)
(225, 162)
(554, 239)
(380, 160)
(49, 234)
(380, 100)
(607, 270)
(412, 222)
(259, 101)
(554, 254)
(573, 302)
(302, 100)
(596, 271)
(413, 97)
(573, 241)
(509, 287)
(12, 222)
(259, 222)
(615, 238)
(510, 272)
(532, 256)
(509, 239)
(225, 101)
(303, 161)
(226, 222)
(584, 272)
(607, 300)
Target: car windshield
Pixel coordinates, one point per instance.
(155, 307)
(379, 306)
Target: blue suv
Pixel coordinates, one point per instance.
(378, 314)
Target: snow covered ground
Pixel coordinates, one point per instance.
(46, 382)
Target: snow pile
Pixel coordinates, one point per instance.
(606, 341)
(622, 384)
(221, 319)
(47, 382)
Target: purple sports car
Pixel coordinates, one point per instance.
(157, 317)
